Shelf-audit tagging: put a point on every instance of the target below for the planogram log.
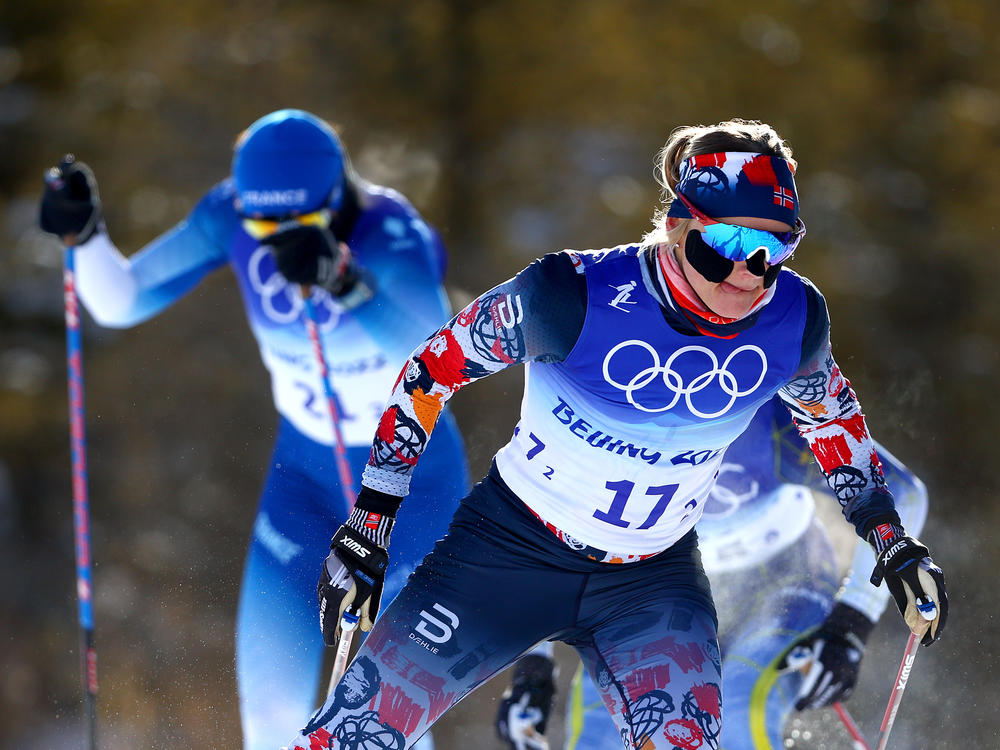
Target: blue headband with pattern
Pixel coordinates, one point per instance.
(738, 183)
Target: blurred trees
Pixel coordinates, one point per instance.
(517, 128)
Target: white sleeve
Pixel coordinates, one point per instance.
(105, 282)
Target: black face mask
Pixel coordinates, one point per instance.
(716, 268)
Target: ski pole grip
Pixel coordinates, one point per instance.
(349, 621)
(799, 658)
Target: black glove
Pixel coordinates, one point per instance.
(914, 581)
(71, 206)
(831, 657)
(526, 704)
(308, 254)
(354, 572)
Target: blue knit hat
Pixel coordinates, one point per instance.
(286, 163)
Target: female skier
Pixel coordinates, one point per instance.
(773, 576)
(643, 363)
(292, 213)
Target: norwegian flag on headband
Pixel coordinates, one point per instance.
(738, 183)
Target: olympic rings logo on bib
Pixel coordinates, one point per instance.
(279, 300)
(673, 380)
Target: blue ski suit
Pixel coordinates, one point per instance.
(279, 648)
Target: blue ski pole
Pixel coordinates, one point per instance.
(81, 513)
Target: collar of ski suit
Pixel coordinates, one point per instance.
(680, 297)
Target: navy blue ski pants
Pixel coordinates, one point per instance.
(497, 584)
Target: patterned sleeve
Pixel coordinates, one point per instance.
(911, 502)
(828, 415)
(793, 465)
(535, 316)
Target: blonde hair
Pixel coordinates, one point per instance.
(693, 140)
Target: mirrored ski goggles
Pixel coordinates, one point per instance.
(737, 243)
(261, 228)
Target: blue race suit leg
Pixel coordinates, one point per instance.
(279, 648)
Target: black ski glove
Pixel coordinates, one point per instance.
(915, 582)
(833, 655)
(307, 254)
(71, 206)
(525, 707)
(354, 572)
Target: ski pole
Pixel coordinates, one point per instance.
(909, 654)
(81, 513)
(857, 738)
(339, 452)
(347, 625)
(348, 622)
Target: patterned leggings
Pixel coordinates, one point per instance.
(761, 612)
(499, 583)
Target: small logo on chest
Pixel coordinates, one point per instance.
(622, 298)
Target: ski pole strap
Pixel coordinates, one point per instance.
(373, 515)
(904, 551)
(379, 502)
(375, 527)
(883, 534)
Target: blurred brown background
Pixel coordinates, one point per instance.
(517, 128)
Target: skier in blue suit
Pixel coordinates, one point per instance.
(293, 219)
